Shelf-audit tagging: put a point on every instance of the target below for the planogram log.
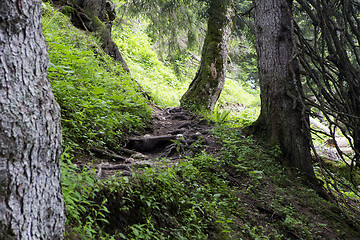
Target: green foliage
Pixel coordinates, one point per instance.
(220, 116)
(243, 63)
(155, 77)
(189, 201)
(99, 102)
(281, 196)
(237, 107)
(243, 103)
(166, 88)
(175, 26)
(79, 186)
(242, 193)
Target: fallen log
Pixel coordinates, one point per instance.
(150, 143)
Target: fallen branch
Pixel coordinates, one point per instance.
(108, 155)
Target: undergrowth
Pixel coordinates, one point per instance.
(100, 103)
(244, 193)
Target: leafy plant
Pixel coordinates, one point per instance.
(79, 187)
(220, 116)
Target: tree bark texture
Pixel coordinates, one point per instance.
(283, 119)
(205, 89)
(31, 202)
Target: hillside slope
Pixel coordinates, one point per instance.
(212, 182)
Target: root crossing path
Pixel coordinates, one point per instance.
(175, 133)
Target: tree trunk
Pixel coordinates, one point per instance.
(205, 89)
(31, 202)
(282, 118)
(95, 16)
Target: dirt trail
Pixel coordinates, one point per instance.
(175, 132)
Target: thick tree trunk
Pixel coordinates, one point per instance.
(282, 117)
(31, 202)
(205, 89)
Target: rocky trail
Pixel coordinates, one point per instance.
(175, 133)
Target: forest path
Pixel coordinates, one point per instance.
(175, 133)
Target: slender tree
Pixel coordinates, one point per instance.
(283, 119)
(205, 89)
(31, 202)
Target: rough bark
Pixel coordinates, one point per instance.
(283, 119)
(31, 202)
(205, 89)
